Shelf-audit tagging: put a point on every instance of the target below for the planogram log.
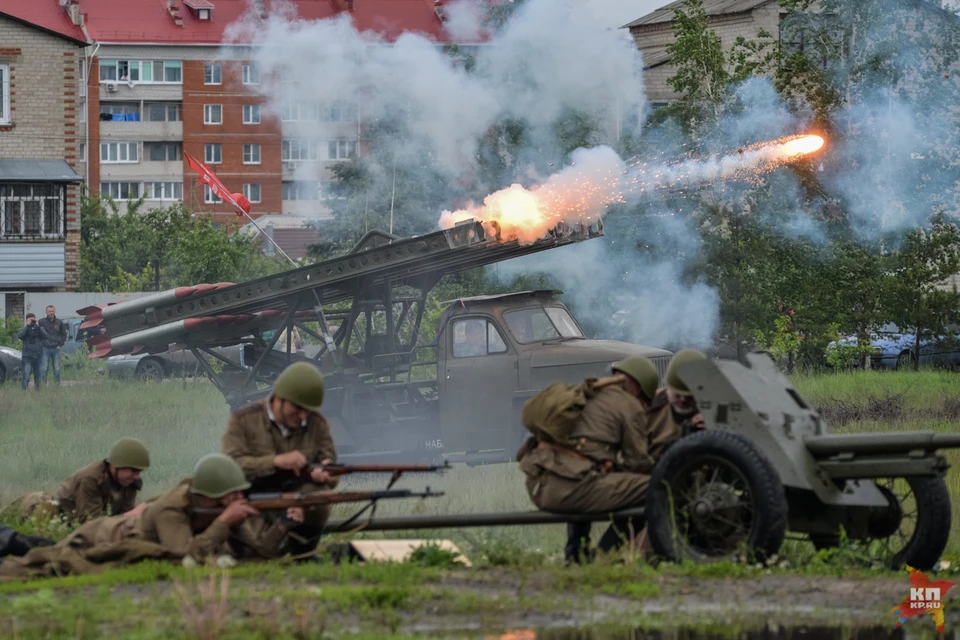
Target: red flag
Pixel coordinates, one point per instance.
(208, 178)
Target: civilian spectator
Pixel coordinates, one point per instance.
(32, 336)
(56, 337)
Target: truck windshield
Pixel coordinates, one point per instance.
(539, 324)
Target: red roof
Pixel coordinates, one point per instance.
(150, 21)
(46, 15)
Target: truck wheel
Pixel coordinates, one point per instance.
(914, 528)
(150, 369)
(714, 496)
(3, 374)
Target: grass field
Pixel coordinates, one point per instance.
(46, 436)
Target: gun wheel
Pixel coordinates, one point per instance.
(714, 496)
(912, 530)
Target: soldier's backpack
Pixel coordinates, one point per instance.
(552, 414)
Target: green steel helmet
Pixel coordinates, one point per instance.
(642, 371)
(216, 475)
(129, 452)
(302, 384)
(681, 357)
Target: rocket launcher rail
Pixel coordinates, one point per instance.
(168, 317)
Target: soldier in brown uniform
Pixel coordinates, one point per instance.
(106, 487)
(274, 441)
(168, 528)
(609, 467)
(673, 405)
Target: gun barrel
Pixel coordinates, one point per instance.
(881, 443)
(342, 469)
(467, 520)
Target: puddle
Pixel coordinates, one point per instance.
(691, 633)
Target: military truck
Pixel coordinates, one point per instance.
(389, 396)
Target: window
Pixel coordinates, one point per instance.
(341, 149)
(161, 151)
(538, 324)
(213, 153)
(4, 94)
(83, 110)
(297, 149)
(164, 112)
(211, 74)
(123, 111)
(153, 71)
(251, 114)
(212, 114)
(121, 190)
(299, 111)
(299, 190)
(83, 152)
(290, 111)
(209, 197)
(251, 192)
(251, 154)
(339, 112)
(165, 190)
(251, 74)
(476, 337)
(82, 76)
(32, 210)
(286, 74)
(117, 152)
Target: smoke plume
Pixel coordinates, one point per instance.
(891, 156)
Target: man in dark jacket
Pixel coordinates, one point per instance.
(56, 337)
(32, 336)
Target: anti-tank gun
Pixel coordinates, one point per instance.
(768, 463)
(392, 393)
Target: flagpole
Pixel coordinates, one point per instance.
(209, 178)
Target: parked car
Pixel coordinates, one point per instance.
(158, 366)
(9, 363)
(896, 349)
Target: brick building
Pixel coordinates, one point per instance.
(41, 66)
(159, 87)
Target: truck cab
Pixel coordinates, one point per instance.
(497, 351)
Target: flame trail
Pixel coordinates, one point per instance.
(582, 193)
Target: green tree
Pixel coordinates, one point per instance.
(927, 258)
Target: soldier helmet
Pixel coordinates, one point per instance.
(681, 357)
(129, 453)
(302, 384)
(643, 372)
(216, 475)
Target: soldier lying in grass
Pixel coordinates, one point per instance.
(168, 528)
(106, 487)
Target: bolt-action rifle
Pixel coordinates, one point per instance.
(288, 480)
(282, 501)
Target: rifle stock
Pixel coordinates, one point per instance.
(283, 501)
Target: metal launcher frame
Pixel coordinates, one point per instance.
(361, 282)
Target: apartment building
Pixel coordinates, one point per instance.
(41, 55)
(158, 87)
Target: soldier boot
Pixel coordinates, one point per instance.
(14, 543)
(618, 533)
(577, 550)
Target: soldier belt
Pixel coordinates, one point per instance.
(604, 467)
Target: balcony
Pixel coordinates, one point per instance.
(142, 130)
(143, 170)
(140, 91)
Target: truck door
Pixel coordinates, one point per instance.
(479, 376)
